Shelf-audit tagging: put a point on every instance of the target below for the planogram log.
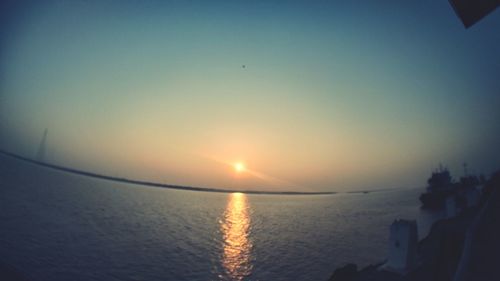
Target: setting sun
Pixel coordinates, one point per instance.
(239, 167)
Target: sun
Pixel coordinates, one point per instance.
(239, 167)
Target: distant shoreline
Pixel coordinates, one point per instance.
(156, 184)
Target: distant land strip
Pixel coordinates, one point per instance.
(155, 184)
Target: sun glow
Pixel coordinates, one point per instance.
(239, 167)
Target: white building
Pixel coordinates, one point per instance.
(403, 242)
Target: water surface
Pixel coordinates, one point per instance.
(56, 226)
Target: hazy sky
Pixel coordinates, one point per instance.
(333, 95)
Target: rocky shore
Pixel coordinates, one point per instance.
(462, 248)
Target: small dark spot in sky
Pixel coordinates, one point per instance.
(243, 66)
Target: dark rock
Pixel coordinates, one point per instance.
(8, 273)
(481, 255)
(347, 273)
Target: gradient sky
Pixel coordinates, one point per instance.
(334, 95)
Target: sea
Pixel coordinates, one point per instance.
(59, 226)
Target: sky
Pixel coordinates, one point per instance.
(308, 95)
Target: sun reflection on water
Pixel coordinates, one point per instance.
(235, 228)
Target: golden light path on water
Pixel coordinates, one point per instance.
(235, 228)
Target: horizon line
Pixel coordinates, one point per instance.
(156, 184)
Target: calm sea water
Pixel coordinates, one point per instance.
(55, 226)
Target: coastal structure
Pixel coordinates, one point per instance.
(460, 248)
(472, 196)
(463, 199)
(403, 243)
(451, 207)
